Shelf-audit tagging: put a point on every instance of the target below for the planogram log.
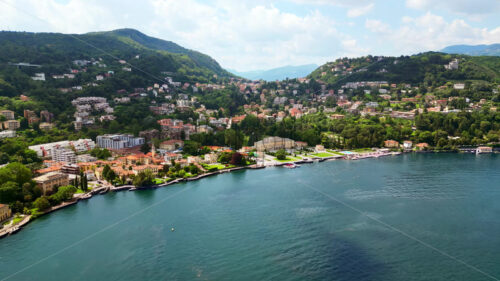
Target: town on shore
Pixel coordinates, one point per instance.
(95, 137)
(71, 169)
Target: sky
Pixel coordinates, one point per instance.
(256, 34)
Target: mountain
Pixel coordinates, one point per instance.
(280, 73)
(473, 50)
(156, 55)
(426, 69)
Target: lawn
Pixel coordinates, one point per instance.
(361, 150)
(218, 166)
(334, 152)
(17, 220)
(159, 181)
(323, 154)
(289, 159)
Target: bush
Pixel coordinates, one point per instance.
(281, 154)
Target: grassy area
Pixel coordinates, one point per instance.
(361, 150)
(323, 154)
(334, 152)
(17, 220)
(159, 181)
(289, 159)
(79, 191)
(218, 166)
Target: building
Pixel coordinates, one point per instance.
(71, 169)
(274, 143)
(171, 145)
(119, 141)
(452, 65)
(8, 114)
(210, 158)
(422, 146)
(337, 116)
(46, 126)
(407, 145)
(484, 149)
(391, 144)
(319, 148)
(172, 156)
(5, 212)
(60, 154)
(7, 134)
(85, 158)
(81, 145)
(46, 116)
(204, 129)
(11, 125)
(48, 181)
(39, 77)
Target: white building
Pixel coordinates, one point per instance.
(7, 134)
(81, 145)
(39, 77)
(119, 141)
(60, 154)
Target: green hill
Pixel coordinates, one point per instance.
(425, 69)
(57, 51)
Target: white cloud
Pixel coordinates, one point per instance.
(255, 34)
(377, 26)
(344, 3)
(360, 11)
(430, 32)
(466, 7)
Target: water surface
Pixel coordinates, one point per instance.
(279, 224)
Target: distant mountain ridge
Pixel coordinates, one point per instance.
(279, 73)
(473, 50)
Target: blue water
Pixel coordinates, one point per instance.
(280, 224)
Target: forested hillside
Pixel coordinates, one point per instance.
(425, 69)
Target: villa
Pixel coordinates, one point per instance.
(5, 212)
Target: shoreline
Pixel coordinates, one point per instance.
(102, 190)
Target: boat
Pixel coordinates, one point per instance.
(290, 165)
(132, 189)
(172, 229)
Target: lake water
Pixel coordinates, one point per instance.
(340, 220)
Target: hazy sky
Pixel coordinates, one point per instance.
(248, 35)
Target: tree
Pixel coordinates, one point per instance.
(236, 159)
(193, 169)
(191, 147)
(41, 203)
(225, 157)
(85, 185)
(281, 154)
(100, 153)
(9, 192)
(145, 148)
(144, 178)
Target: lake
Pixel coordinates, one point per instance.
(409, 217)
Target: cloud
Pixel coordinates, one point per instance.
(377, 26)
(360, 11)
(259, 34)
(430, 32)
(343, 3)
(466, 7)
